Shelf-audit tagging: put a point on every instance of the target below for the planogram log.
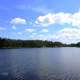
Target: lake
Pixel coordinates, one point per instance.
(40, 64)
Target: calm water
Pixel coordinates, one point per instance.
(40, 64)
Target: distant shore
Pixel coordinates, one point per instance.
(11, 43)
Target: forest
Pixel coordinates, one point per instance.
(12, 43)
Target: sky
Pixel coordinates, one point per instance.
(52, 20)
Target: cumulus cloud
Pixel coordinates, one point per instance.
(67, 35)
(30, 30)
(53, 18)
(17, 21)
(59, 18)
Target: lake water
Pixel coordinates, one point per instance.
(40, 64)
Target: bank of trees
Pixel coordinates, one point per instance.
(11, 43)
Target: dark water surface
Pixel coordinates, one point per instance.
(40, 64)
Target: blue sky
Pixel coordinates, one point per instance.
(53, 20)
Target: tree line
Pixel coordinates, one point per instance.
(11, 43)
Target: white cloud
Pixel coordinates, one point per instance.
(44, 30)
(76, 19)
(16, 21)
(53, 18)
(29, 30)
(2, 28)
(59, 18)
(67, 35)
